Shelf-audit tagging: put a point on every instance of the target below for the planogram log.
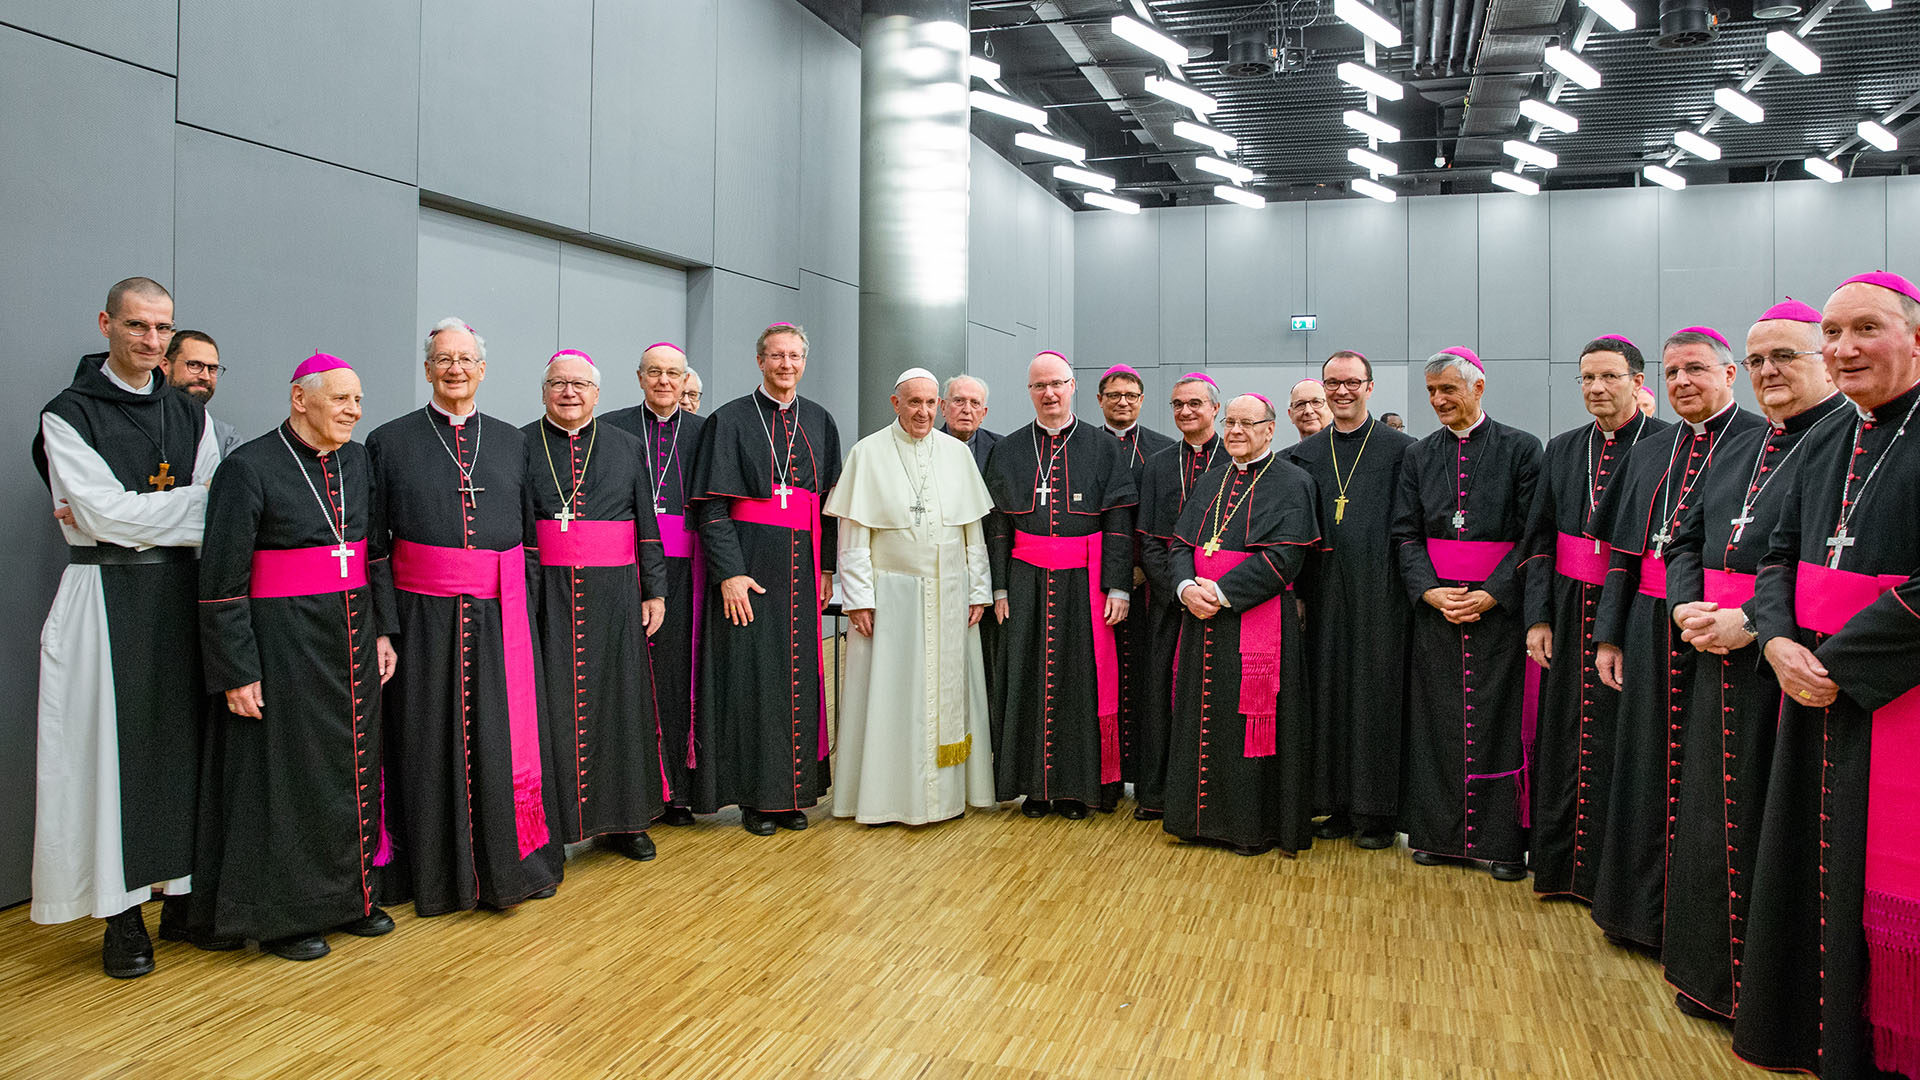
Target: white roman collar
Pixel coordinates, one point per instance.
(571, 431)
(455, 420)
(1264, 455)
(1470, 427)
(1122, 432)
(107, 370)
(663, 419)
(1054, 430)
(1701, 427)
(783, 406)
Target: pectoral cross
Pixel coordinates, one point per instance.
(1740, 524)
(564, 517)
(783, 491)
(1047, 489)
(658, 509)
(343, 553)
(1211, 547)
(1839, 542)
(1339, 508)
(472, 493)
(1459, 519)
(1660, 541)
(161, 481)
(918, 508)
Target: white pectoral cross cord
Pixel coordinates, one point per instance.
(343, 553)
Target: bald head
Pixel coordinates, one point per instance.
(663, 377)
(1307, 407)
(1249, 427)
(1050, 385)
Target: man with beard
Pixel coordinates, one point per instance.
(193, 365)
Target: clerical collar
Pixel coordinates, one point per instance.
(569, 432)
(1056, 430)
(1622, 428)
(107, 370)
(900, 432)
(783, 406)
(1808, 416)
(1257, 459)
(1886, 409)
(1701, 427)
(454, 419)
(657, 416)
(1121, 433)
(1199, 447)
(1471, 428)
(287, 426)
(1365, 419)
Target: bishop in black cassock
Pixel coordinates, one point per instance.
(763, 464)
(1458, 517)
(1060, 544)
(1358, 615)
(1830, 974)
(1565, 569)
(668, 435)
(296, 638)
(466, 808)
(1238, 767)
(602, 586)
(1638, 648)
(1169, 480)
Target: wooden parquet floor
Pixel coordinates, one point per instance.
(988, 947)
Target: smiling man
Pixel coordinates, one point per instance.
(1121, 395)
(193, 365)
(1307, 407)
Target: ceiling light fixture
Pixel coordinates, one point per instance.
(1784, 45)
(1371, 190)
(1007, 107)
(1146, 37)
(1368, 21)
(1073, 174)
(1205, 136)
(1531, 153)
(1699, 146)
(1370, 125)
(1879, 5)
(1182, 94)
(1568, 63)
(1209, 163)
(982, 68)
(1665, 177)
(1879, 136)
(1515, 182)
(1372, 162)
(1110, 202)
(1824, 169)
(1040, 144)
(1239, 195)
(1616, 12)
(1739, 104)
(1371, 81)
(1547, 116)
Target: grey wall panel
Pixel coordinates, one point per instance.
(612, 307)
(1514, 252)
(1443, 302)
(1390, 390)
(505, 105)
(1116, 276)
(1605, 268)
(280, 256)
(1062, 315)
(829, 153)
(1716, 258)
(1183, 290)
(337, 81)
(725, 314)
(1256, 279)
(1565, 408)
(1357, 283)
(1034, 227)
(1825, 233)
(506, 285)
(109, 216)
(995, 246)
(1517, 394)
(653, 125)
(830, 311)
(1903, 227)
(994, 357)
(757, 169)
(138, 31)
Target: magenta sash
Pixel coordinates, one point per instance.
(585, 543)
(1575, 557)
(1824, 600)
(1073, 553)
(1475, 560)
(312, 571)
(680, 539)
(1260, 640)
(1728, 588)
(487, 575)
(1465, 560)
(1653, 576)
(801, 514)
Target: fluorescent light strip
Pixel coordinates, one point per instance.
(1371, 81)
(1372, 162)
(1824, 169)
(1238, 195)
(1372, 190)
(1531, 153)
(1368, 21)
(1880, 137)
(1515, 182)
(1205, 136)
(1739, 104)
(1182, 94)
(1879, 5)
(1235, 173)
(1075, 175)
(1146, 37)
(1040, 144)
(1547, 116)
(1666, 178)
(1616, 13)
(982, 68)
(1370, 125)
(1007, 107)
(1784, 45)
(1569, 64)
(1693, 143)
(1109, 202)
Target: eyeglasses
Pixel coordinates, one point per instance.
(1043, 387)
(694, 394)
(1189, 404)
(1243, 425)
(1344, 384)
(662, 372)
(776, 356)
(1781, 358)
(197, 367)
(1691, 371)
(578, 386)
(1127, 396)
(445, 363)
(961, 404)
(1605, 378)
(136, 328)
(1307, 404)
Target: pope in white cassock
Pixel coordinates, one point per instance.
(914, 743)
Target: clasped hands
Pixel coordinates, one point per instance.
(1458, 603)
(1711, 628)
(1199, 598)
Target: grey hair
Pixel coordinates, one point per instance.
(1441, 363)
(947, 392)
(1213, 392)
(451, 323)
(310, 383)
(694, 378)
(593, 369)
(1694, 337)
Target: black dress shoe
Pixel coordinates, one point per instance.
(298, 947)
(126, 952)
(174, 927)
(790, 819)
(1252, 849)
(1036, 808)
(547, 893)
(1335, 827)
(1071, 810)
(372, 924)
(1508, 871)
(1141, 813)
(677, 816)
(1694, 1009)
(636, 846)
(1428, 858)
(755, 822)
(1375, 841)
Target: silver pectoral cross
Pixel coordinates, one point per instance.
(1839, 542)
(918, 508)
(564, 517)
(1043, 491)
(343, 553)
(783, 491)
(1740, 524)
(1660, 542)
(1459, 519)
(472, 493)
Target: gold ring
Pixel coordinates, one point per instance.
(1806, 695)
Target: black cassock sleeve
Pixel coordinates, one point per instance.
(1263, 575)
(1773, 586)
(1540, 566)
(380, 543)
(1116, 543)
(1686, 557)
(1872, 656)
(829, 476)
(230, 653)
(1409, 529)
(1611, 523)
(646, 527)
(1155, 560)
(1504, 583)
(999, 547)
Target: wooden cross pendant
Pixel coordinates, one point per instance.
(161, 481)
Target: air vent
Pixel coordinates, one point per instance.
(1249, 56)
(1685, 24)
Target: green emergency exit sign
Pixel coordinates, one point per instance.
(1305, 322)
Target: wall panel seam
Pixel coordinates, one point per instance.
(289, 153)
(107, 56)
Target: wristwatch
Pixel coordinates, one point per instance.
(1746, 623)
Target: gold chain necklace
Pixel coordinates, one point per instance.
(566, 515)
(1223, 518)
(1333, 447)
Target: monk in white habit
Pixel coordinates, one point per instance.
(914, 743)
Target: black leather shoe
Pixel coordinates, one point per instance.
(677, 816)
(1036, 808)
(547, 893)
(1694, 1009)
(298, 947)
(791, 819)
(1374, 841)
(1335, 827)
(755, 822)
(1428, 858)
(635, 846)
(174, 927)
(1252, 849)
(1508, 871)
(372, 924)
(126, 952)
(1071, 810)
(1141, 813)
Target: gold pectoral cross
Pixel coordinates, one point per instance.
(1211, 547)
(161, 481)
(1339, 509)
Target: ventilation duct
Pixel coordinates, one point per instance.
(1249, 56)
(1685, 24)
